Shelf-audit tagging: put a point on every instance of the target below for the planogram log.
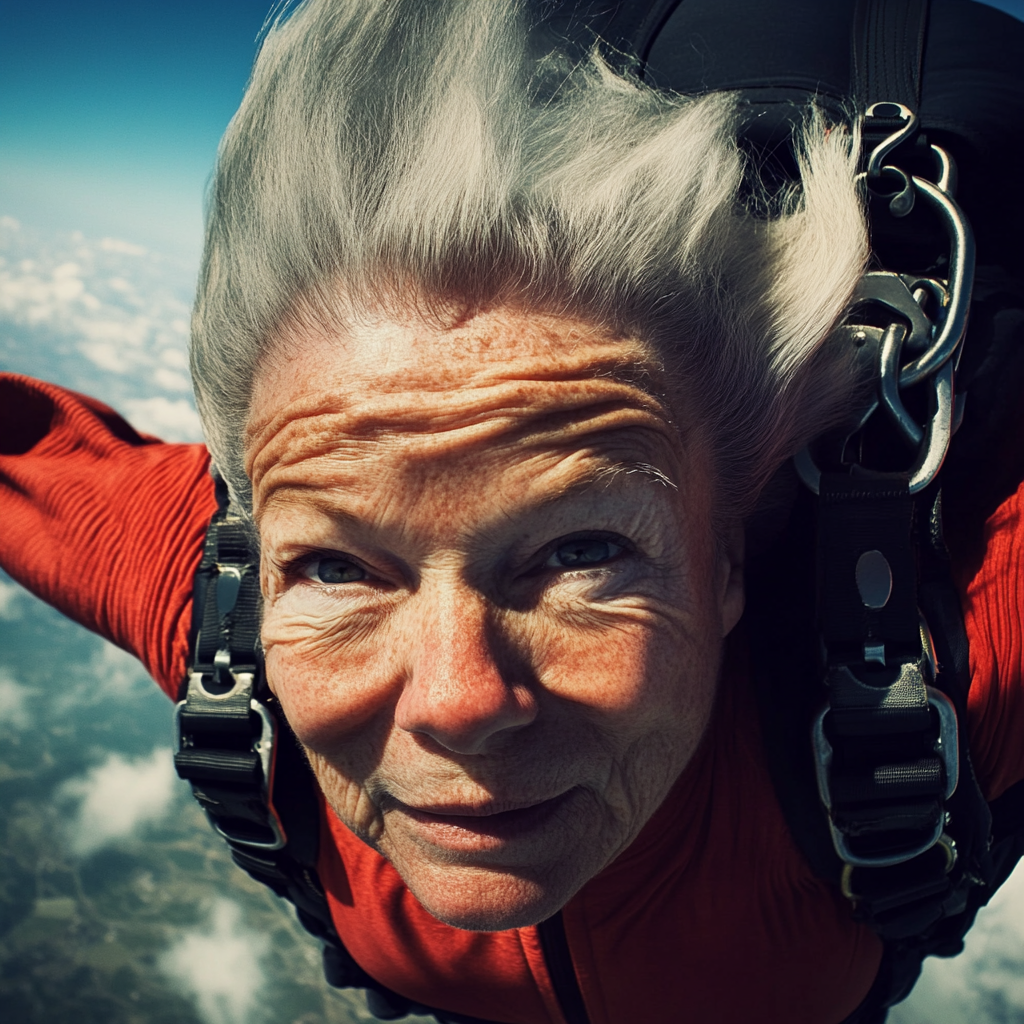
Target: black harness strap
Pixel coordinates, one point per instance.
(245, 767)
(883, 780)
(857, 515)
(888, 46)
(558, 959)
(883, 753)
(896, 754)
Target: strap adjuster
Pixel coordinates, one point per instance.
(229, 763)
(945, 748)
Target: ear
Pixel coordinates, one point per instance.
(731, 595)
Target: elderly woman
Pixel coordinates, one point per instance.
(496, 350)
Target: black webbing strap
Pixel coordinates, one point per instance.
(887, 50)
(888, 47)
(226, 745)
(883, 745)
(558, 959)
(889, 748)
(858, 515)
(885, 781)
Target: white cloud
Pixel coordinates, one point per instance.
(116, 673)
(169, 420)
(219, 966)
(171, 380)
(125, 331)
(120, 246)
(110, 674)
(104, 355)
(66, 283)
(119, 305)
(10, 600)
(29, 295)
(13, 697)
(105, 317)
(10, 223)
(985, 983)
(117, 797)
(175, 357)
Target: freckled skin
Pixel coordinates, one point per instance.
(459, 669)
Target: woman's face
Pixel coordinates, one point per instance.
(494, 604)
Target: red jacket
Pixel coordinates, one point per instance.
(712, 913)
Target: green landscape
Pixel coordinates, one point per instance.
(143, 920)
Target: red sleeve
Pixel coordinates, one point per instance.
(101, 522)
(994, 615)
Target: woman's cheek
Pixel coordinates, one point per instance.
(346, 793)
(599, 670)
(326, 673)
(331, 672)
(613, 657)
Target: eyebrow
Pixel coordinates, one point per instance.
(644, 469)
(604, 476)
(601, 477)
(591, 479)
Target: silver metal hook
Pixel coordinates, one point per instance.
(888, 110)
(959, 285)
(888, 383)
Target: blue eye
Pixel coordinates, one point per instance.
(334, 570)
(583, 553)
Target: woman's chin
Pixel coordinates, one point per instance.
(482, 899)
(489, 872)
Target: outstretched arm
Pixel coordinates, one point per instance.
(993, 599)
(103, 523)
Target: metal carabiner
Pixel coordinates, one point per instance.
(940, 344)
(933, 439)
(960, 284)
(939, 431)
(894, 293)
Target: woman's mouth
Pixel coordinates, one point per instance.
(478, 828)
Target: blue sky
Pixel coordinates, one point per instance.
(112, 111)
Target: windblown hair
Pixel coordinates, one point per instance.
(410, 155)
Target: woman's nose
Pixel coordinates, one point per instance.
(458, 693)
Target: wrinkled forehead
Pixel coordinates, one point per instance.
(475, 383)
(389, 355)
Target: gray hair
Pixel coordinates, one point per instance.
(410, 154)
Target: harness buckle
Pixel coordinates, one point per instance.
(897, 805)
(225, 746)
(946, 846)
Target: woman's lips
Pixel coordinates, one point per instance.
(479, 828)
